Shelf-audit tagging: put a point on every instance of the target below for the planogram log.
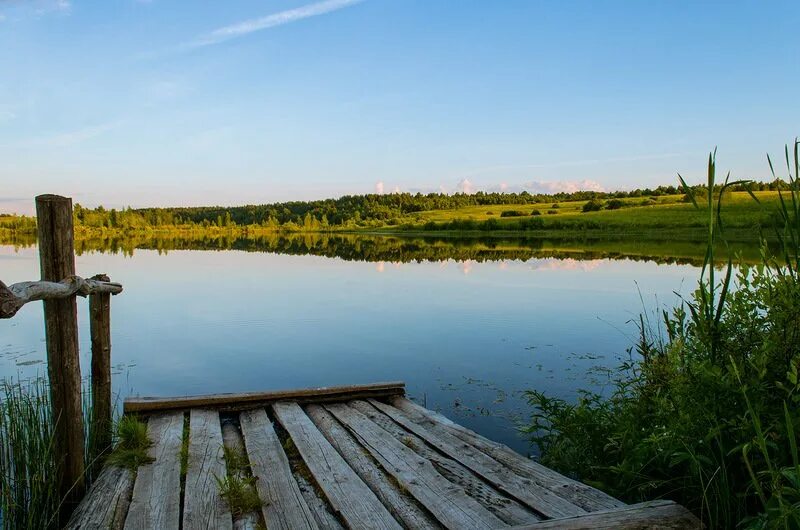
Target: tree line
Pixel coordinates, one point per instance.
(343, 212)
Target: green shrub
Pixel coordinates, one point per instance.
(593, 206)
(512, 213)
(536, 212)
(707, 410)
(614, 204)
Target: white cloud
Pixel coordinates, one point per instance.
(379, 187)
(567, 186)
(465, 186)
(270, 21)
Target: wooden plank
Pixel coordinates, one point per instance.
(57, 262)
(447, 502)
(156, 494)
(588, 498)
(234, 443)
(203, 506)
(403, 508)
(355, 503)
(543, 501)
(655, 514)
(106, 503)
(256, 399)
(284, 506)
(509, 510)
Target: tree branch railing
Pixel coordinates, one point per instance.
(57, 291)
(16, 295)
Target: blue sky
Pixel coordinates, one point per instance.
(126, 102)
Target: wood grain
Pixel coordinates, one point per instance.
(664, 515)
(203, 506)
(106, 503)
(284, 506)
(508, 510)
(349, 496)
(588, 498)
(522, 489)
(246, 400)
(57, 261)
(401, 506)
(451, 506)
(156, 495)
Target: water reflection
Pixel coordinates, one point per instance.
(467, 323)
(393, 249)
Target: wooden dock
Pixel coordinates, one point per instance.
(343, 457)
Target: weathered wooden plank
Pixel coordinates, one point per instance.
(447, 502)
(508, 510)
(156, 495)
(203, 506)
(543, 501)
(345, 491)
(588, 498)
(283, 504)
(403, 508)
(255, 399)
(234, 443)
(106, 503)
(655, 514)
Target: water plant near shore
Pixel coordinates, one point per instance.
(707, 409)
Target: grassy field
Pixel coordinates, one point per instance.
(740, 213)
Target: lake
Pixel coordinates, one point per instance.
(467, 324)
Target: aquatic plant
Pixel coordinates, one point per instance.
(707, 409)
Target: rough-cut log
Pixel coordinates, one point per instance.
(100, 328)
(14, 296)
(57, 261)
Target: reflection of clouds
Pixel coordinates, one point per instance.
(466, 266)
(379, 266)
(568, 264)
(503, 265)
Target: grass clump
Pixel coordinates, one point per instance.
(240, 493)
(29, 496)
(238, 487)
(707, 410)
(132, 444)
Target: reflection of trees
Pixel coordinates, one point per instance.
(397, 249)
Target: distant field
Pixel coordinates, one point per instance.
(739, 212)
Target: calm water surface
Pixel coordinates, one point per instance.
(465, 336)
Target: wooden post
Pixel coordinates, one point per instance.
(100, 326)
(57, 260)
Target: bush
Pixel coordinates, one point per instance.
(512, 213)
(536, 212)
(552, 212)
(614, 204)
(593, 206)
(707, 411)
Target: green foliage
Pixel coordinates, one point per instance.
(238, 487)
(593, 205)
(614, 204)
(28, 489)
(132, 444)
(707, 411)
(513, 213)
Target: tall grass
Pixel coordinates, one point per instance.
(29, 488)
(707, 410)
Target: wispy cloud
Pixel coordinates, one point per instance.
(64, 139)
(269, 21)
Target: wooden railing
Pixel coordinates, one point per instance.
(57, 289)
